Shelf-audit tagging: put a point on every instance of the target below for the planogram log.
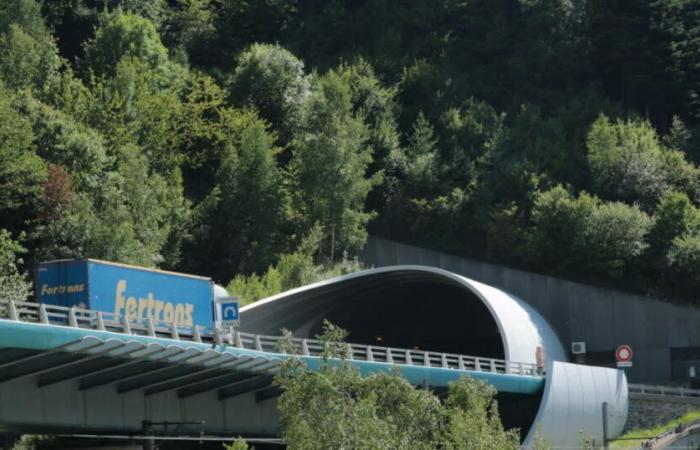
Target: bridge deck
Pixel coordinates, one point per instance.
(58, 344)
(77, 371)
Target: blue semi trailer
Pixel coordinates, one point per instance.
(136, 293)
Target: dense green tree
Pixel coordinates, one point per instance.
(190, 25)
(22, 172)
(476, 111)
(26, 62)
(330, 161)
(238, 24)
(628, 162)
(335, 407)
(127, 35)
(204, 134)
(13, 283)
(126, 220)
(131, 111)
(377, 102)
(242, 222)
(473, 420)
(558, 224)
(614, 237)
(292, 270)
(678, 23)
(675, 215)
(674, 247)
(25, 14)
(59, 139)
(684, 255)
(632, 57)
(129, 108)
(416, 165)
(585, 234)
(467, 133)
(272, 80)
(155, 11)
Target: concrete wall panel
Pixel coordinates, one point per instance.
(603, 318)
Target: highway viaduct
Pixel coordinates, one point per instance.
(79, 371)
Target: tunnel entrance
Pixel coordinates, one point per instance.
(415, 314)
(410, 309)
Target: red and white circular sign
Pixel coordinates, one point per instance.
(624, 353)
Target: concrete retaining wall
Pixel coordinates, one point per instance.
(665, 337)
(647, 413)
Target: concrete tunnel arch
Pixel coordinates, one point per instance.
(412, 307)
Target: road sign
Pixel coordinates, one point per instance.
(623, 355)
(227, 312)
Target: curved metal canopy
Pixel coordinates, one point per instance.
(522, 329)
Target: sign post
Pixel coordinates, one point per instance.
(623, 355)
(227, 311)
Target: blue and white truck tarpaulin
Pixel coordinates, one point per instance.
(135, 292)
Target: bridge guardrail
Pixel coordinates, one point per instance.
(664, 390)
(107, 321)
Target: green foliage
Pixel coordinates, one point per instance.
(628, 162)
(642, 434)
(684, 254)
(25, 14)
(473, 420)
(190, 23)
(238, 444)
(22, 172)
(338, 408)
(242, 220)
(124, 35)
(676, 239)
(37, 442)
(615, 235)
(60, 139)
(128, 35)
(130, 109)
(417, 163)
(272, 80)
(586, 233)
(330, 161)
(292, 270)
(675, 216)
(13, 283)
(156, 11)
(378, 105)
(676, 21)
(26, 61)
(127, 218)
(444, 124)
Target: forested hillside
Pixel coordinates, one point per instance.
(232, 138)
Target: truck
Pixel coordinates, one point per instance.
(131, 292)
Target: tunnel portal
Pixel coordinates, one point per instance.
(403, 309)
(419, 315)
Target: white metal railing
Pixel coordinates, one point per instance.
(664, 390)
(106, 321)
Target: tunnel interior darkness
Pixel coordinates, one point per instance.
(416, 314)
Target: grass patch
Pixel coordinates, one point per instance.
(654, 431)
